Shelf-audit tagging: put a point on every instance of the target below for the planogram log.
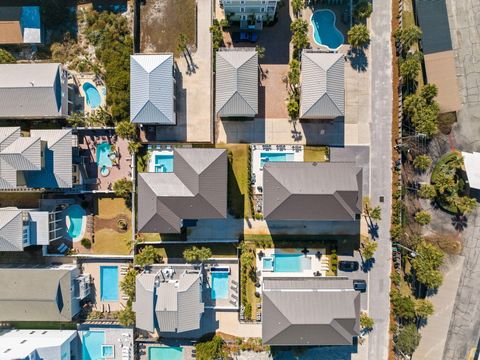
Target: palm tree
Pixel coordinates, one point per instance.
(260, 51)
(363, 10)
(358, 36)
(297, 5)
(294, 74)
(408, 36)
(293, 107)
(410, 68)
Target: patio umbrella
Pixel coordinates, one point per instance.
(305, 251)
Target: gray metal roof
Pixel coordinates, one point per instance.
(21, 158)
(236, 82)
(311, 191)
(322, 85)
(197, 189)
(11, 226)
(309, 311)
(57, 170)
(152, 89)
(33, 91)
(432, 17)
(35, 294)
(169, 305)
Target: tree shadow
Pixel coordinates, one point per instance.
(358, 59)
(367, 265)
(459, 222)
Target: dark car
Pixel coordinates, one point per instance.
(360, 285)
(348, 266)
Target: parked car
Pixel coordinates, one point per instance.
(360, 285)
(348, 266)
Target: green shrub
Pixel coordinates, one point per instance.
(210, 350)
(248, 311)
(86, 243)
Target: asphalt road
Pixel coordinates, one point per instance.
(464, 19)
(380, 174)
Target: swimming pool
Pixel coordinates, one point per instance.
(109, 283)
(219, 285)
(165, 353)
(275, 157)
(164, 163)
(92, 342)
(74, 220)
(92, 95)
(288, 263)
(324, 30)
(103, 155)
(267, 263)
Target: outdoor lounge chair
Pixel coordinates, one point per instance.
(233, 302)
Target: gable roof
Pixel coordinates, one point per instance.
(236, 82)
(171, 306)
(152, 90)
(57, 170)
(197, 189)
(311, 191)
(322, 85)
(35, 294)
(32, 91)
(309, 311)
(21, 157)
(11, 229)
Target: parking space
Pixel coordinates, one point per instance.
(359, 274)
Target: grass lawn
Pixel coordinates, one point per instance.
(315, 154)
(107, 239)
(227, 250)
(239, 204)
(162, 21)
(20, 199)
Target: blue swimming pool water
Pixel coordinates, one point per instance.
(92, 342)
(75, 214)
(92, 94)
(30, 17)
(109, 283)
(275, 157)
(164, 163)
(324, 30)
(268, 263)
(288, 263)
(219, 285)
(107, 351)
(165, 353)
(103, 152)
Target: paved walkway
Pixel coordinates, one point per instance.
(381, 181)
(434, 334)
(193, 90)
(464, 19)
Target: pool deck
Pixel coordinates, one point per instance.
(118, 337)
(317, 263)
(258, 149)
(232, 301)
(90, 172)
(83, 78)
(92, 267)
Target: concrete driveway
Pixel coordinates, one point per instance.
(360, 274)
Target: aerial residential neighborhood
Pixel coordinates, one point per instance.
(239, 179)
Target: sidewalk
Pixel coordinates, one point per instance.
(434, 334)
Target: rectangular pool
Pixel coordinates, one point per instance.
(109, 283)
(92, 342)
(165, 353)
(219, 285)
(275, 157)
(288, 263)
(164, 163)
